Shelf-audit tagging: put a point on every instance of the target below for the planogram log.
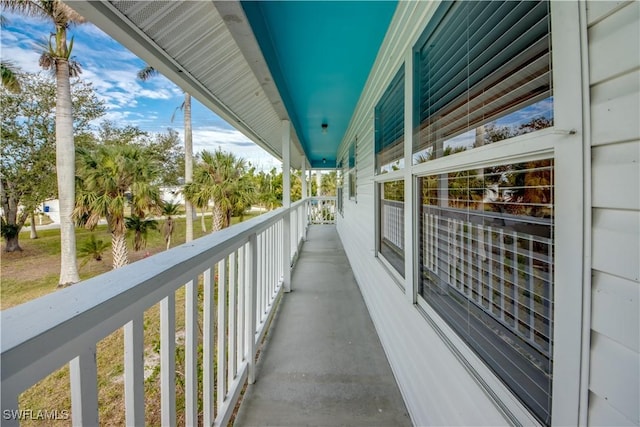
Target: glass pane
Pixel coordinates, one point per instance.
(486, 258)
(483, 75)
(392, 223)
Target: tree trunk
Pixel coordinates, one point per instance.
(217, 219)
(66, 171)
(204, 226)
(119, 250)
(12, 244)
(34, 233)
(10, 223)
(188, 164)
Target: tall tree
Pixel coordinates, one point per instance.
(27, 145)
(222, 179)
(145, 74)
(57, 57)
(108, 174)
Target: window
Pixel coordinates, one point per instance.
(391, 235)
(339, 188)
(353, 188)
(486, 252)
(389, 126)
(483, 73)
(486, 234)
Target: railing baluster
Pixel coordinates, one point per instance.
(191, 352)
(168, 360)
(241, 305)
(134, 371)
(259, 276)
(208, 350)
(252, 263)
(84, 388)
(222, 332)
(232, 316)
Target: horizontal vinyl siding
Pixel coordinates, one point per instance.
(437, 388)
(614, 68)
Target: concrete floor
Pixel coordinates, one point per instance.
(323, 364)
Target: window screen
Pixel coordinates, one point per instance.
(482, 62)
(389, 116)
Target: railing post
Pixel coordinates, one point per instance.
(168, 360)
(222, 332)
(252, 262)
(84, 389)
(134, 371)
(191, 352)
(208, 350)
(286, 202)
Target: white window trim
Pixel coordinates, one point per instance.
(564, 143)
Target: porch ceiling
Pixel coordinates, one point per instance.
(258, 63)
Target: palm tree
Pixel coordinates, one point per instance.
(140, 226)
(145, 74)
(109, 174)
(9, 71)
(10, 77)
(221, 178)
(57, 57)
(169, 209)
(92, 249)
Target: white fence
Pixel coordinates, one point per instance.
(322, 210)
(240, 271)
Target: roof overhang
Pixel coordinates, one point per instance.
(256, 64)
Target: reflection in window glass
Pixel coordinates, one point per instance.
(483, 71)
(392, 223)
(486, 266)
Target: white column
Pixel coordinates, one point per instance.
(286, 202)
(410, 202)
(318, 182)
(303, 177)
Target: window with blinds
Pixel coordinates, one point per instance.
(486, 267)
(389, 126)
(483, 71)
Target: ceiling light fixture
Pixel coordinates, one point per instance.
(324, 127)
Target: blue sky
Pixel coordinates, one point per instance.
(112, 70)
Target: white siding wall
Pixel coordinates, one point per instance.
(614, 69)
(437, 388)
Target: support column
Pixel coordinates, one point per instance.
(318, 183)
(286, 203)
(303, 177)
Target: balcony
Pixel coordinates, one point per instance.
(321, 362)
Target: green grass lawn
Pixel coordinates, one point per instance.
(34, 272)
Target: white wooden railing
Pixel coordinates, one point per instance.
(506, 271)
(243, 264)
(393, 223)
(322, 210)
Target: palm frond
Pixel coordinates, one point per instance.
(147, 72)
(9, 77)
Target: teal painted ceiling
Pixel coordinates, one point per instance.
(320, 54)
